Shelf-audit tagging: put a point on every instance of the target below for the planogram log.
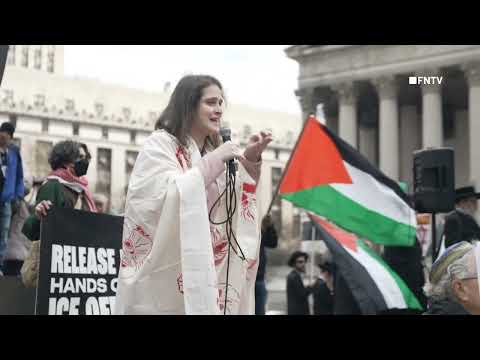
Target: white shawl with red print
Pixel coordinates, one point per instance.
(173, 260)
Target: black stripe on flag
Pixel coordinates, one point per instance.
(364, 289)
(356, 159)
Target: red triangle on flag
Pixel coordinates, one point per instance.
(348, 240)
(316, 161)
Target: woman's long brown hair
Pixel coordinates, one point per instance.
(178, 116)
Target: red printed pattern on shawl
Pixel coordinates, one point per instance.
(248, 201)
(180, 283)
(251, 269)
(183, 157)
(219, 244)
(136, 248)
(233, 297)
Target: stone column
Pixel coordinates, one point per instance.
(432, 113)
(119, 177)
(472, 72)
(347, 117)
(388, 126)
(307, 101)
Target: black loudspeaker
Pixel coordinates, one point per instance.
(434, 180)
(3, 60)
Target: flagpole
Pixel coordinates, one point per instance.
(288, 164)
(312, 253)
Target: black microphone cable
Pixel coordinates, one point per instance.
(230, 207)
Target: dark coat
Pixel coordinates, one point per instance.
(322, 299)
(460, 227)
(270, 240)
(446, 307)
(406, 261)
(61, 196)
(297, 295)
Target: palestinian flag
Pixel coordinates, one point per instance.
(327, 176)
(373, 284)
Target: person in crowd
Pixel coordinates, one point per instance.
(453, 287)
(323, 290)
(18, 244)
(66, 186)
(297, 292)
(269, 238)
(460, 224)
(12, 189)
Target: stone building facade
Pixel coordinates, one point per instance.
(368, 99)
(47, 107)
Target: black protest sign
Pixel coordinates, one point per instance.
(79, 263)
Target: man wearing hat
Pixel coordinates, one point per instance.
(297, 292)
(12, 189)
(453, 287)
(460, 224)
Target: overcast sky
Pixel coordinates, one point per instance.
(258, 75)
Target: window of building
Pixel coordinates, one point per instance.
(130, 159)
(39, 100)
(12, 119)
(104, 171)
(69, 105)
(37, 58)
(133, 136)
(45, 123)
(289, 138)
(105, 133)
(51, 62)
(8, 96)
(25, 56)
(76, 128)
(99, 107)
(277, 154)
(127, 113)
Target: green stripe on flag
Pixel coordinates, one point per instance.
(410, 299)
(346, 213)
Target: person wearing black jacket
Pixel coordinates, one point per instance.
(269, 239)
(460, 224)
(297, 292)
(323, 291)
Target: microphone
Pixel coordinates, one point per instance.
(225, 133)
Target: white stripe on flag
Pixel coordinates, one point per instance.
(375, 196)
(383, 279)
